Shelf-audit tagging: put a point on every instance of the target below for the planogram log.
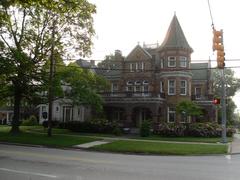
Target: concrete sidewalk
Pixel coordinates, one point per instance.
(235, 146)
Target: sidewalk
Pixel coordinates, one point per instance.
(235, 146)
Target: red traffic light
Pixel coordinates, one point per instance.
(216, 101)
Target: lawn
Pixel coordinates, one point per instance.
(42, 139)
(125, 146)
(186, 139)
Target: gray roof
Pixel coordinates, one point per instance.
(199, 71)
(175, 37)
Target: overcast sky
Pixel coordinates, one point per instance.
(121, 24)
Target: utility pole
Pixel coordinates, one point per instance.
(50, 86)
(223, 104)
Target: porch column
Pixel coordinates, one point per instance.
(155, 113)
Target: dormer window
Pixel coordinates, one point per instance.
(138, 83)
(145, 82)
(183, 61)
(129, 83)
(171, 61)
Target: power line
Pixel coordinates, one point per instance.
(210, 11)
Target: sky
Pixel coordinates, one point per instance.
(122, 24)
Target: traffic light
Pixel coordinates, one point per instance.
(216, 101)
(218, 46)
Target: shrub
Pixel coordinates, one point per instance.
(145, 129)
(172, 129)
(54, 124)
(31, 121)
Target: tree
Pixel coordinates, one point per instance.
(189, 108)
(80, 85)
(232, 86)
(25, 42)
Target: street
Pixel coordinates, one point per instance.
(33, 163)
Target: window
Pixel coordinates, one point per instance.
(130, 88)
(183, 87)
(145, 89)
(129, 83)
(57, 108)
(114, 87)
(145, 82)
(171, 115)
(198, 92)
(171, 61)
(44, 108)
(161, 86)
(183, 61)
(171, 87)
(137, 89)
(131, 67)
(137, 83)
(140, 66)
(161, 63)
(184, 117)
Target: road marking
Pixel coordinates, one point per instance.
(28, 173)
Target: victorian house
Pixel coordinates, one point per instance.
(151, 80)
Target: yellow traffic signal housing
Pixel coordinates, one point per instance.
(218, 46)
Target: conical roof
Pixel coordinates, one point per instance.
(175, 37)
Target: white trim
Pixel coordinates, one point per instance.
(131, 67)
(185, 87)
(183, 59)
(171, 87)
(170, 60)
(169, 116)
(161, 87)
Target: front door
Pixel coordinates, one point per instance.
(67, 113)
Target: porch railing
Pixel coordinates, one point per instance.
(133, 94)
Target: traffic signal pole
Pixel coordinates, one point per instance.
(223, 104)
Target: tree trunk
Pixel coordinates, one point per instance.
(16, 117)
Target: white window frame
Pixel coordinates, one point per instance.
(170, 60)
(131, 67)
(170, 93)
(161, 86)
(183, 61)
(161, 63)
(185, 87)
(130, 88)
(129, 83)
(171, 111)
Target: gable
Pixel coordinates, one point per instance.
(138, 54)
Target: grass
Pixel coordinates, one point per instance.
(186, 139)
(125, 146)
(42, 139)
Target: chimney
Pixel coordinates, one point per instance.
(118, 55)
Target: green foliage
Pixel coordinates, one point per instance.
(85, 85)
(26, 39)
(193, 129)
(170, 129)
(232, 86)
(31, 121)
(189, 108)
(145, 129)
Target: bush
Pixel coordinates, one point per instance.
(145, 129)
(172, 129)
(55, 124)
(93, 126)
(195, 129)
(31, 121)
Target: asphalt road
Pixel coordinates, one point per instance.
(31, 163)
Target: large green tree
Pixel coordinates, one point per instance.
(26, 28)
(232, 86)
